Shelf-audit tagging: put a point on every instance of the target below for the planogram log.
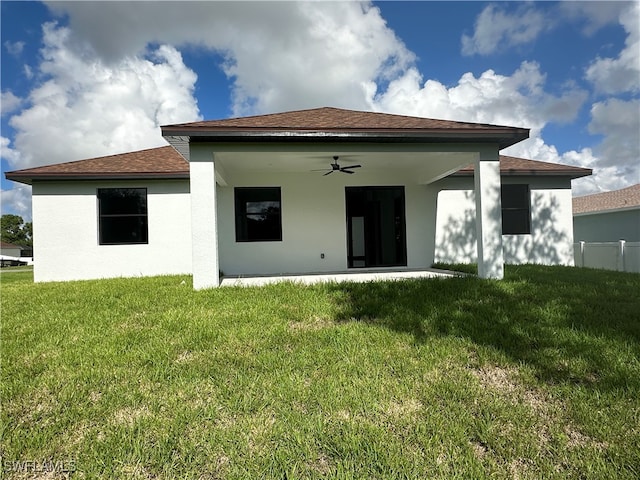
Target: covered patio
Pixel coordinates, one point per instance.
(338, 223)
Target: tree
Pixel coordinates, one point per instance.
(14, 230)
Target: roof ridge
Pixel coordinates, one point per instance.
(261, 115)
(293, 113)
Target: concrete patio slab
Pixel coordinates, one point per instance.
(336, 277)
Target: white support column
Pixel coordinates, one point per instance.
(489, 215)
(204, 224)
(621, 260)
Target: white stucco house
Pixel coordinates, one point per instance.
(310, 191)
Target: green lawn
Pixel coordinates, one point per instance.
(536, 376)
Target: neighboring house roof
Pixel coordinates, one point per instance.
(335, 124)
(166, 162)
(623, 199)
(162, 162)
(9, 245)
(522, 166)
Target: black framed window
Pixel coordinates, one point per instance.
(516, 209)
(258, 214)
(122, 216)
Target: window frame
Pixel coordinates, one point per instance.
(241, 214)
(101, 216)
(523, 210)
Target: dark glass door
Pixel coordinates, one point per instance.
(376, 232)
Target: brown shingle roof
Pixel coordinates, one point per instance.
(523, 166)
(166, 162)
(162, 162)
(320, 123)
(618, 199)
(329, 118)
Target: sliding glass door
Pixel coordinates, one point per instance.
(376, 232)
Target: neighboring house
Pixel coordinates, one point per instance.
(12, 255)
(321, 190)
(608, 217)
(10, 250)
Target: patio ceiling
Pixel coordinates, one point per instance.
(422, 164)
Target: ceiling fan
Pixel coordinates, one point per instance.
(337, 168)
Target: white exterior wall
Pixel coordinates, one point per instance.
(65, 218)
(551, 238)
(65, 222)
(314, 222)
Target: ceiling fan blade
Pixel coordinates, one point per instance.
(346, 171)
(351, 166)
(328, 173)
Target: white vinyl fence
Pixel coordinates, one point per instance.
(622, 256)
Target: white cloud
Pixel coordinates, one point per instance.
(87, 108)
(615, 161)
(621, 74)
(280, 55)
(28, 72)
(601, 179)
(103, 92)
(8, 153)
(337, 49)
(9, 102)
(521, 100)
(518, 99)
(619, 122)
(593, 14)
(496, 29)
(14, 48)
(17, 201)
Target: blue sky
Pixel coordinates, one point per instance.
(85, 79)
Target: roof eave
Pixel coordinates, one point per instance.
(503, 137)
(533, 173)
(28, 179)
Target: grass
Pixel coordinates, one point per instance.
(20, 274)
(536, 376)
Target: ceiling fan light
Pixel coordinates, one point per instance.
(336, 167)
